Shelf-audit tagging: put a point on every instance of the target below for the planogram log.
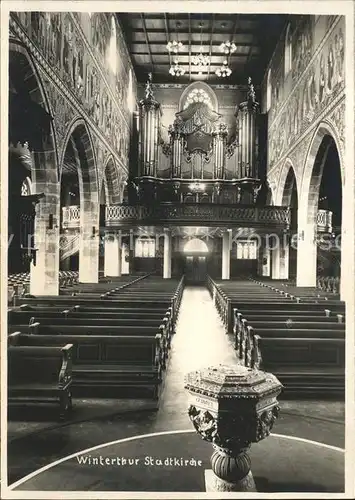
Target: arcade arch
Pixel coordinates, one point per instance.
(32, 155)
(322, 181)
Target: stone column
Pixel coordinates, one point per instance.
(44, 276)
(346, 244)
(113, 254)
(226, 248)
(89, 242)
(167, 254)
(264, 259)
(275, 263)
(284, 258)
(306, 248)
(280, 259)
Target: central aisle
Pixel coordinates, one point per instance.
(200, 341)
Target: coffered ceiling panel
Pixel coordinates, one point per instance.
(255, 37)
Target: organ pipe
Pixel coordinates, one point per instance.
(149, 113)
(247, 117)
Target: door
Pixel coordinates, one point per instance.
(195, 269)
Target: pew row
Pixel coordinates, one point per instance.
(106, 365)
(40, 374)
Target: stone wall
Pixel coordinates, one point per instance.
(71, 53)
(309, 96)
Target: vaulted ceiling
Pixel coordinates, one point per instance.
(255, 37)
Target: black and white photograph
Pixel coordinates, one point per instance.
(177, 186)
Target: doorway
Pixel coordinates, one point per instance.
(195, 269)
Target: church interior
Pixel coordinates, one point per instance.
(176, 187)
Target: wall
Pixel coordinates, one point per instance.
(310, 95)
(71, 54)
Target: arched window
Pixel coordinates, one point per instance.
(246, 249)
(112, 49)
(288, 51)
(197, 94)
(130, 97)
(26, 187)
(268, 90)
(145, 247)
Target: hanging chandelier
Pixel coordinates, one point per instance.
(176, 69)
(174, 46)
(228, 47)
(224, 70)
(201, 60)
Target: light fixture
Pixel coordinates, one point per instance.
(176, 69)
(224, 70)
(228, 47)
(174, 46)
(201, 60)
(197, 186)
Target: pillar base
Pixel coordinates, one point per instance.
(214, 483)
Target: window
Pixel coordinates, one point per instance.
(246, 249)
(145, 247)
(112, 49)
(130, 97)
(268, 91)
(26, 187)
(288, 51)
(198, 95)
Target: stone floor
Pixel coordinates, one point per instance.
(200, 341)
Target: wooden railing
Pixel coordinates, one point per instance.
(71, 217)
(197, 213)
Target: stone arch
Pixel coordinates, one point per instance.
(287, 181)
(314, 165)
(79, 134)
(269, 195)
(27, 89)
(19, 55)
(290, 183)
(202, 85)
(112, 182)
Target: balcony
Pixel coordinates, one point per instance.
(71, 217)
(324, 221)
(197, 214)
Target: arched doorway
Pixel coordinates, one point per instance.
(195, 251)
(321, 190)
(290, 199)
(78, 165)
(329, 215)
(70, 208)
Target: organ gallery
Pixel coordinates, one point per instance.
(180, 251)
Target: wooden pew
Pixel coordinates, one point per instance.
(41, 375)
(308, 367)
(109, 331)
(108, 365)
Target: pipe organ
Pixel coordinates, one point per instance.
(206, 162)
(149, 125)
